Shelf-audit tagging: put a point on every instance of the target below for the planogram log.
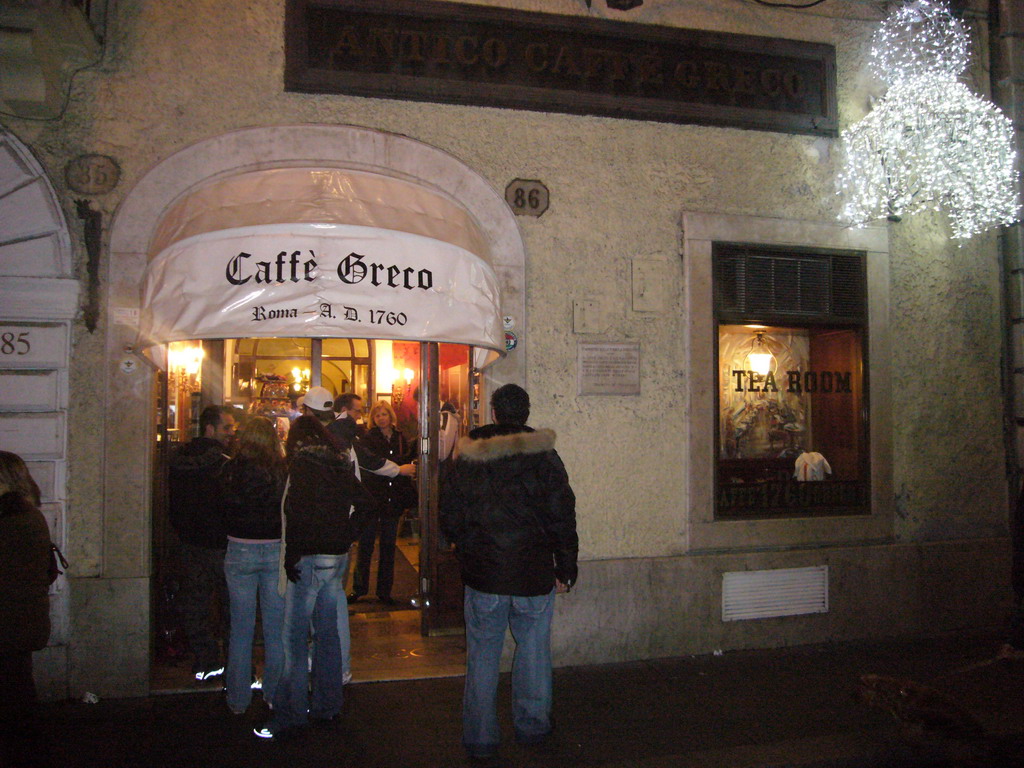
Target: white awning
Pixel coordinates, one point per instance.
(310, 252)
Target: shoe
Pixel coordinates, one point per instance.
(206, 674)
(389, 600)
(270, 733)
(353, 597)
(346, 678)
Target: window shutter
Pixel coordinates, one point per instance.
(761, 284)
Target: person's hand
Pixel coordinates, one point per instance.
(292, 571)
(407, 470)
(561, 588)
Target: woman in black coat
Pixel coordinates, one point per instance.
(393, 494)
(252, 485)
(25, 578)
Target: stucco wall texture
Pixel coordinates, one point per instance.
(178, 73)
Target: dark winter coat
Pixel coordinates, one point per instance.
(322, 489)
(394, 494)
(193, 484)
(345, 434)
(252, 500)
(24, 576)
(508, 508)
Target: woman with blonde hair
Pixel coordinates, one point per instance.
(252, 483)
(25, 578)
(393, 494)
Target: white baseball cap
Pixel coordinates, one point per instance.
(319, 399)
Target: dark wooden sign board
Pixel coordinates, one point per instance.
(469, 54)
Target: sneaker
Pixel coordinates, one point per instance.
(208, 673)
(256, 684)
(270, 733)
(346, 678)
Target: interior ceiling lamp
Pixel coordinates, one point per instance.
(929, 143)
(300, 379)
(760, 358)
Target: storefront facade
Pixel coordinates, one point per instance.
(640, 258)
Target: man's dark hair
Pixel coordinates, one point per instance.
(324, 417)
(212, 415)
(511, 404)
(306, 431)
(344, 402)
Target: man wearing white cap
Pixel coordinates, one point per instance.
(319, 403)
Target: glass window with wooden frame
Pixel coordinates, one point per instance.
(792, 436)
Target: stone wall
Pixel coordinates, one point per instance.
(177, 74)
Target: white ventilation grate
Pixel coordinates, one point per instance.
(779, 592)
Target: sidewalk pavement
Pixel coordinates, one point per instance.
(748, 709)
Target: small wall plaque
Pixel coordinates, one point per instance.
(92, 174)
(527, 197)
(650, 285)
(608, 368)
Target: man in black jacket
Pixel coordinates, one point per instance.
(507, 507)
(196, 515)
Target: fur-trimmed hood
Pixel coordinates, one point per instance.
(493, 442)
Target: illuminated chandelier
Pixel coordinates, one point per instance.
(929, 143)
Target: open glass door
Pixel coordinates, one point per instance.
(446, 407)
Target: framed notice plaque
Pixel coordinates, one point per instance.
(608, 368)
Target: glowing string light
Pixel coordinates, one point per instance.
(921, 38)
(929, 143)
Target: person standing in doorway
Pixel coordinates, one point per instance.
(323, 510)
(253, 481)
(393, 494)
(507, 507)
(343, 431)
(198, 519)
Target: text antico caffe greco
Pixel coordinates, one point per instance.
(796, 382)
(409, 48)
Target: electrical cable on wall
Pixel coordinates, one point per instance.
(66, 100)
(70, 82)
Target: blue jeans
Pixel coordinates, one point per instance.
(311, 602)
(251, 569)
(529, 618)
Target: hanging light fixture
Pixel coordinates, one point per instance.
(922, 37)
(760, 358)
(929, 143)
(300, 379)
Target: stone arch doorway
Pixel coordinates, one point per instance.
(130, 393)
(38, 303)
